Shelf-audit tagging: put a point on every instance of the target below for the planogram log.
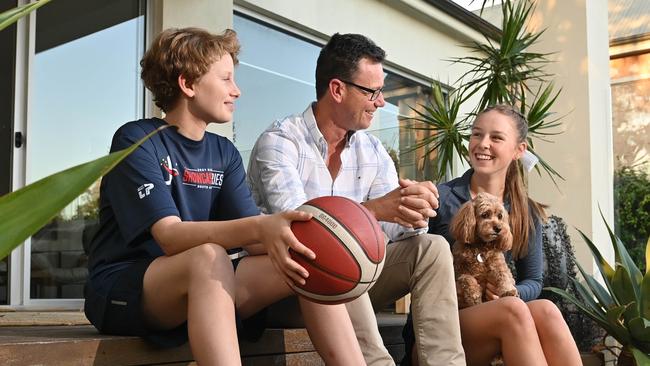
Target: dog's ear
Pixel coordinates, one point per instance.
(463, 225)
(505, 243)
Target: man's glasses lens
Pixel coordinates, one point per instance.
(374, 93)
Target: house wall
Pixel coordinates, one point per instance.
(582, 153)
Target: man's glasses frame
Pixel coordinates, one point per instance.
(374, 93)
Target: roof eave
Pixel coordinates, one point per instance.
(467, 17)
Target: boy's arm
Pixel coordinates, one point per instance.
(273, 231)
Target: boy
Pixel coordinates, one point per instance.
(174, 213)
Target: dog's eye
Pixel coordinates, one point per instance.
(500, 216)
(485, 215)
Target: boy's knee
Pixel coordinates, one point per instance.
(207, 257)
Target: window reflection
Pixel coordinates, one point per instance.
(85, 85)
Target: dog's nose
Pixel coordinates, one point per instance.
(497, 229)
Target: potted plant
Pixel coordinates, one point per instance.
(622, 305)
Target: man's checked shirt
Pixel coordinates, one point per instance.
(287, 167)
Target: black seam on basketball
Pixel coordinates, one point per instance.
(342, 245)
(348, 230)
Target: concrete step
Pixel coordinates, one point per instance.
(83, 345)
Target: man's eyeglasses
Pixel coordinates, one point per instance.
(374, 93)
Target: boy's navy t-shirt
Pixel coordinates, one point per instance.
(168, 175)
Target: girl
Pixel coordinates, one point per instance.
(525, 331)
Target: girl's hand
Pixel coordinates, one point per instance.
(490, 292)
(277, 237)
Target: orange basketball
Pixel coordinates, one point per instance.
(349, 246)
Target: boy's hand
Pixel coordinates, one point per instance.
(277, 237)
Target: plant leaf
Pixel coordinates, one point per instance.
(26, 210)
(640, 329)
(605, 269)
(647, 257)
(10, 16)
(604, 298)
(623, 257)
(641, 358)
(644, 308)
(613, 329)
(622, 286)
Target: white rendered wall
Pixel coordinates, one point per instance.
(577, 31)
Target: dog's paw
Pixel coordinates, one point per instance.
(512, 292)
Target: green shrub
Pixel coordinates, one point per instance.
(632, 211)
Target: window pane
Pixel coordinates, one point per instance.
(274, 87)
(85, 85)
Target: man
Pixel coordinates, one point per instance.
(324, 151)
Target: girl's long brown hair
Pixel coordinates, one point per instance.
(521, 220)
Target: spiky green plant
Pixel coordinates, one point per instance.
(622, 305)
(502, 72)
(26, 210)
(505, 71)
(448, 132)
(542, 123)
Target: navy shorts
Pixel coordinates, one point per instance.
(120, 311)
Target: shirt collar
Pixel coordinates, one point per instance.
(316, 135)
(312, 128)
(461, 189)
(461, 186)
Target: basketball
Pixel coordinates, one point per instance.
(349, 247)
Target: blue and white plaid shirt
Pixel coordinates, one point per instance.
(287, 167)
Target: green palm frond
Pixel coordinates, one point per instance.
(26, 210)
(448, 133)
(503, 71)
(11, 16)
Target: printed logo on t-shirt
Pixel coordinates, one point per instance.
(168, 167)
(144, 190)
(203, 178)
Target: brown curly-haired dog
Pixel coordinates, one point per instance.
(482, 234)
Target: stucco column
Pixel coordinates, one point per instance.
(577, 31)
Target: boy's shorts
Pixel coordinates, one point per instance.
(120, 311)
